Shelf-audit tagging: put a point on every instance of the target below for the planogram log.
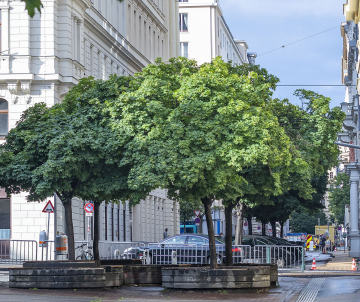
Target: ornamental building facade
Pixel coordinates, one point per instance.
(43, 57)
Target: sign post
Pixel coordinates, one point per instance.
(49, 208)
(89, 210)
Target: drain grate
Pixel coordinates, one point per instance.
(311, 290)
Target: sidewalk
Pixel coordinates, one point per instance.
(337, 264)
(340, 261)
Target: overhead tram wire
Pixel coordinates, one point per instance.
(298, 41)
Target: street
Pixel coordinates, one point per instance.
(302, 289)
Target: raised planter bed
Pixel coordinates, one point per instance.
(223, 277)
(274, 274)
(65, 274)
(57, 277)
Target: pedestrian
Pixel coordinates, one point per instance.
(166, 233)
(222, 237)
(323, 240)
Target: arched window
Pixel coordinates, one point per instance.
(4, 118)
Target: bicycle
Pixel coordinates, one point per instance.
(84, 253)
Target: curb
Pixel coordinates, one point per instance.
(318, 273)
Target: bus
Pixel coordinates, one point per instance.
(190, 228)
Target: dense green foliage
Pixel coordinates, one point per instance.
(305, 221)
(195, 128)
(339, 196)
(68, 149)
(201, 132)
(312, 129)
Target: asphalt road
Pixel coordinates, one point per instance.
(291, 289)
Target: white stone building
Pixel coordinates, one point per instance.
(205, 35)
(350, 134)
(43, 57)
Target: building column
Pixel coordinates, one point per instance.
(354, 211)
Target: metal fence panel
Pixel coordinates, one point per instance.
(121, 250)
(18, 251)
(191, 254)
(285, 256)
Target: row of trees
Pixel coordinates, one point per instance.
(201, 132)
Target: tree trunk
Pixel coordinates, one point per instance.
(200, 231)
(96, 232)
(273, 226)
(228, 234)
(249, 220)
(69, 228)
(281, 229)
(212, 247)
(263, 228)
(239, 223)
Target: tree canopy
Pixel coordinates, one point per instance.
(68, 149)
(194, 128)
(312, 129)
(305, 221)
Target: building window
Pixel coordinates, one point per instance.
(331, 175)
(4, 118)
(183, 0)
(183, 22)
(184, 49)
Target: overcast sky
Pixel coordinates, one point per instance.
(269, 24)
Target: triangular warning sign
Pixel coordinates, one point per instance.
(197, 213)
(49, 208)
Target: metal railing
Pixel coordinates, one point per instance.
(285, 256)
(47, 253)
(110, 250)
(191, 254)
(17, 251)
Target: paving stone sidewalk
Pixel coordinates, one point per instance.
(340, 261)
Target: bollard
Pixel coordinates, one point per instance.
(173, 257)
(145, 256)
(268, 257)
(302, 260)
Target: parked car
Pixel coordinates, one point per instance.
(136, 251)
(133, 252)
(189, 248)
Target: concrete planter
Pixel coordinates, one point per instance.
(223, 277)
(274, 275)
(57, 278)
(65, 274)
(149, 274)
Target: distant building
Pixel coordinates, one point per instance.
(205, 35)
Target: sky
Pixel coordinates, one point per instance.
(267, 25)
